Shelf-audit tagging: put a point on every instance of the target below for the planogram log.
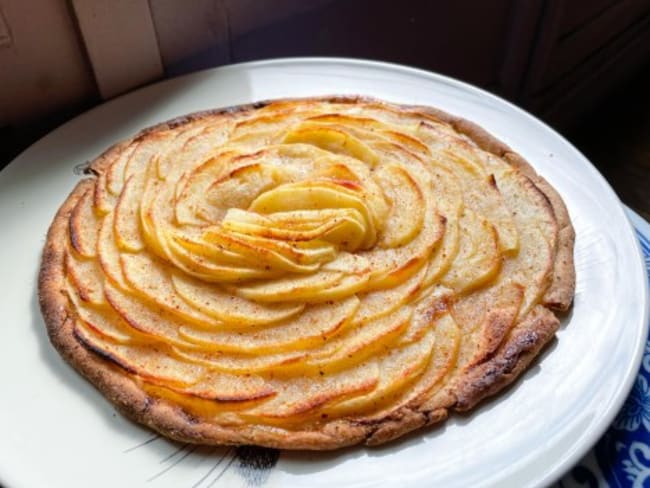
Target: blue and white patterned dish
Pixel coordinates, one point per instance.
(621, 458)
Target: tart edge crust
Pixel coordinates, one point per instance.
(500, 367)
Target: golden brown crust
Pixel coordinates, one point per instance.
(507, 363)
(505, 354)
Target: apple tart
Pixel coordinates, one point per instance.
(306, 274)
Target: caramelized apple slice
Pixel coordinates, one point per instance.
(439, 366)
(240, 363)
(532, 266)
(376, 304)
(332, 140)
(294, 257)
(340, 278)
(229, 308)
(407, 213)
(391, 267)
(84, 226)
(450, 208)
(241, 185)
(367, 340)
(313, 196)
(487, 316)
(312, 328)
(429, 303)
(489, 203)
(151, 321)
(115, 172)
(228, 388)
(103, 200)
(126, 215)
(398, 368)
(109, 254)
(151, 280)
(204, 268)
(87, 278)
(146, 154)
(343, 227)
(155, 215)
(149, 362)
(191, 148)
(100, 319)
(305, 396)
(478, 260)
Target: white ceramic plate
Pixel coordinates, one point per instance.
(57, 431)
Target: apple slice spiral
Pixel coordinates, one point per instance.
(311, 273)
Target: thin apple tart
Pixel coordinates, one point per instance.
(306, 274)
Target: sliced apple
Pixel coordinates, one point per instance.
(332, 140)
(109, 254)
(301, 397)
(155, 215)
(151, 279)
(376, 304)
(391, 267)
(314, 327)
(366, 124)
(103, 200)
(228, 388)
(126, 216)
(240, 363)
(406, 141)
(286, 255)
(100, 319)
(439, 366)
(243, 184)
(474, 170)
(87, 277)
(83, 226)
(151, 362)
(398, 368)
(344, 227)
(165, 161)
(532, 265)
(150, 320)
(342, 277)
(445, 253)
(478, 260)
(429, 304)
(488, 202)
(144, 158)
(193, 148)
(229, 308)
(115, 172)
(450, 207)
(258, 131)
(193, 242)
(231, 178)
(363, 342)
(406, 218)
(204, 268)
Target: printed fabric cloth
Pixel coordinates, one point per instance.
(621, 458)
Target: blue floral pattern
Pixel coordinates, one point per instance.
(621, 458)
(636, 411)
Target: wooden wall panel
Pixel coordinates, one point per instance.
(121, 43)
(42, 62)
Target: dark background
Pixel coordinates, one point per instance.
(583, 66)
